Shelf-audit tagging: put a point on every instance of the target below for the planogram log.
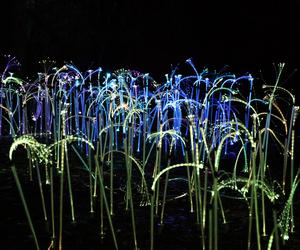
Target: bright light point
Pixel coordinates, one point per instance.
(286, 237)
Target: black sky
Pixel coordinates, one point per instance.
(150, 36)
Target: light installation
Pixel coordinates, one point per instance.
(183, 129)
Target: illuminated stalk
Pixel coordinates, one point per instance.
(129, 190)
(30, 165)
(61, 195)
(139, 139)
(260, 176)
(52, 204)
(90, 167)
(41, 190)
(267, 124)
(98, 151)
(210, 234)
(128, 161)
(76, 106)
(13, 168)
(266, 143)
(102, 190)
(249, 101)
(152, 221)
(19, 125)
(292, 178)
(166, 184)
(221, 209)
(69, 184)
(127, 142)
(285, 161)
(111, 139)
(58, 135)
(115, 131)
(145, 122)
(250, 221)
(47, 110)
(254, 197)
(158, 153)
(275, 230)
(1, 101)
(263, 206)
(94, 188)
(101, 200)
(154, 196)
(204, 148)
(41, 119)
(215, 213)
(287, 148)
(196, 173)
(295, 111)
(190, 184)
(83, 125)
(98, 171)
(193, 159)
(285, 219)
(157, 170)
(204, 198)
(10, 114)
(24, 117)
(36, 120)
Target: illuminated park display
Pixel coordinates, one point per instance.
(217, 137)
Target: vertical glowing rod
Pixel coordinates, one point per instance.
(89, 136)
(287, 147)
(24, 118)
(10, 106)
(266, 141)
(215, 213)
(145, 123)
(193, 159)
(111, 140)
(70, 121)
(158, 152)
(249, 101)
(152, 221)
(41, 190)
(296, 110)
(254, 195)
(166, 183)
(210, 234)
(196, 174)
(46, 106)
(13, 169)
(69, 184)
(19, 125)
(1, 94)
(52, 204)
(77, 112)
(102, 190)
(61, 170)
(128, 151)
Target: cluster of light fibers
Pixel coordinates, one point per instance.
(39, 151)
(285, 219)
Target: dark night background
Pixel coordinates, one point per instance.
(151, 36)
